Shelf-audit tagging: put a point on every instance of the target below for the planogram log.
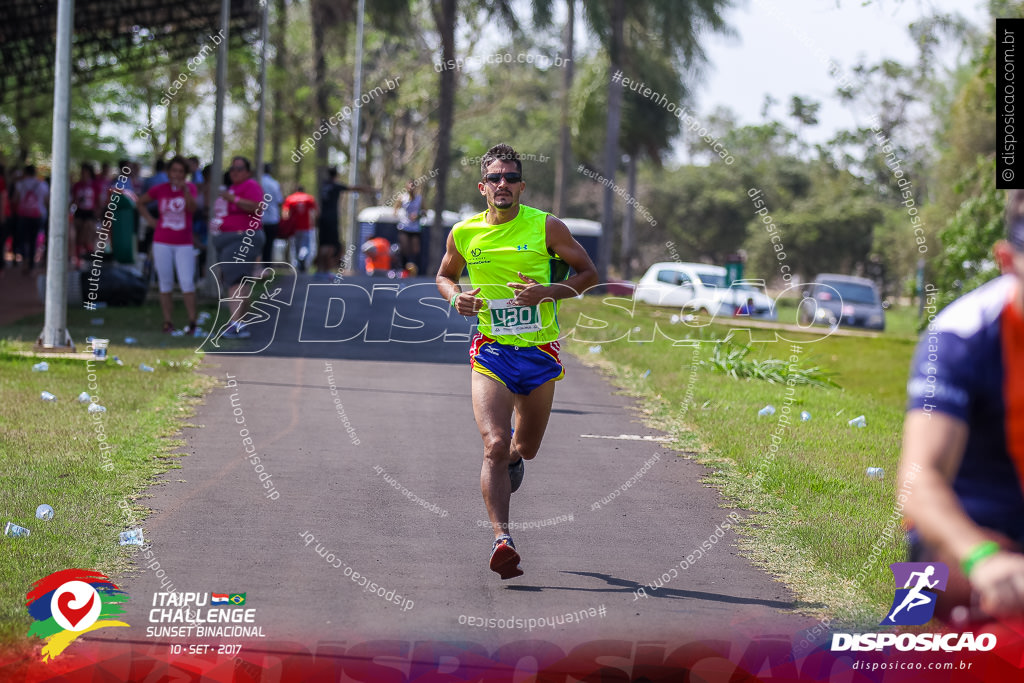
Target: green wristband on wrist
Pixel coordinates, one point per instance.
(977, 554)
(454, 297)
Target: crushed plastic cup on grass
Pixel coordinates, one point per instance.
(859, 421)
(44, 512)
(647, 373)
(595, 349)
(805, 416)
(876, 473)
(47, 396)
(178, 333)
(131, 340)
(84, 397)
(96, 321)
(14, 531)
(41, 366)
(131, 537)
(96, 408)
(674, 319)
(145, 368)
(766, 411)
(118, 360)
(203, 317)
(99, 348)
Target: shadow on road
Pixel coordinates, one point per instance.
(616, 585)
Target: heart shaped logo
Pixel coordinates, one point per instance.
(75, 605)
(72, 614)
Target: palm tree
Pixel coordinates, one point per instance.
(678, 25)
(326, 15)
(647, 131)
(445, 13)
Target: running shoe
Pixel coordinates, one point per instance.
(504, 558)
(516, 472)
(236, 331)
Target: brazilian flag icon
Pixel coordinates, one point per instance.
(237, 598)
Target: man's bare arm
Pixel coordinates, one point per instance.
(447, 280)
(933, 446)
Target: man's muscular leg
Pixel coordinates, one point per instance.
(532, 414)
(492, 407)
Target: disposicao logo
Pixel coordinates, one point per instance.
(71, 602)
(914, 605)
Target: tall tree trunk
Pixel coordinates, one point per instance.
(611, 147)
(21, 122)
(445, 19)
(628, 220)
(564, 144)
(297, 167)
(320, 86)
(277, 90)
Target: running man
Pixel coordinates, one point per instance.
(963, 439)
(508, 250)
(914, 597)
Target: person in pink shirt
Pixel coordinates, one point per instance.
(83, 198)
(241, 238)
(173, 248)
(101, 187)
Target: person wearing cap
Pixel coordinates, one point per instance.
(962, 467)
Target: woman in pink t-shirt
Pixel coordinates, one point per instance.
(240, 241)
(173, 247)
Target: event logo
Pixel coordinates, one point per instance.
(71, 602)
(914, 604)
(260, 298)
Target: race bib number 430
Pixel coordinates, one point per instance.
(507, 318)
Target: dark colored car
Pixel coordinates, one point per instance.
(842, 300)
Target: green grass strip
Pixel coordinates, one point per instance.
(820, 525)
(51, 452)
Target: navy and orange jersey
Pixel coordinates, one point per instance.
(969, 365)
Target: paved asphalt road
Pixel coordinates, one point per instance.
(402, 411)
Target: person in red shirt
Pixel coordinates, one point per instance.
(83, 199)
(299, 209)
(173, 248)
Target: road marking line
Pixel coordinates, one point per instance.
(628, 437)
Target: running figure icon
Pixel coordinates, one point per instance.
(914, 598)
(257, 311)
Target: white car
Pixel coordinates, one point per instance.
(700, 287)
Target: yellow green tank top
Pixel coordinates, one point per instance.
(495, 255)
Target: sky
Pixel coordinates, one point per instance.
(778, 49)
(778, 46)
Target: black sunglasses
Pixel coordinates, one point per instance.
(238, 168)
(510, 178)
